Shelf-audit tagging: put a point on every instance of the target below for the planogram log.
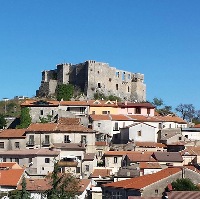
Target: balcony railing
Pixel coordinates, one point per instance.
(45, 143)
(30, 143)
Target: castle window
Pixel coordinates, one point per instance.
(139, 133)
(123, 76)
(128, 89)
(110, 79)
(117, 87)
(41, 112)
(98, 72)
(99, 85)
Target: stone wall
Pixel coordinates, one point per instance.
(91, 77)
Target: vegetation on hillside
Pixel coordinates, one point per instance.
(64, 92)
(100, 96)
(25, 118)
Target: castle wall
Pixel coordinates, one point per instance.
(91, 77)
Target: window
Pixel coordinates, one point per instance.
(79, 157)
(139, 133)
(99, 124)
(83, 139)
(66, 139)
(179, 138)
(82, 110)
(17, 160)
(138, 111)
(30, 160)
(1, 145)
(117, 87)
(110, 79)
(148, 111)
(41, 112)
(100, 153)
(186, 136)
(160, 125)
(156, 191)
(105, 112)
(115, 160)
(123, 76)
(31, 139)
(47, 160)
(10, 159)
(17, 145)
(99, 85)
(93, 112)
(170, 126)
(128, 89)
(52, 112)
(46, 139)
(116, 127)
(78, 169)
(87, 168)
(4, 159)
(117, 74)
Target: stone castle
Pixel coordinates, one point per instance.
(91, 77)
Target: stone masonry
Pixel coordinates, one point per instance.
(92, 77)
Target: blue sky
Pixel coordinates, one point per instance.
(159, 38)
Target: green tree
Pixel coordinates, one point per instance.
(114, 98)
(22, 194)
(25, 118)
(65, 92)
(3, 122)
(64, 185)
(157, 102)
(184, 184)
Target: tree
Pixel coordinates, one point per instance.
(184, 184)
(157, 102)
(64, 91)
(64, 185)
(25, 118)
(3, 122)
(187, 111)
(22, 194)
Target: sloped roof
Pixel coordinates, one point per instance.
(101, 172)
(40, 103)
(183, 194)
(168, 156)
(69, 121)
(26, 152)
(89, 156)
(13, 133)
(95, 117)
(143, 181)
(11, 177)
(10, 165)
(150, 144)
(150, 165)
(192, 150)
(136, 104)
(141, 156)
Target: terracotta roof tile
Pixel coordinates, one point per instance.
(150, 165)
(101, 172)
(10, 165)
(29, 103)
(168, 156)
(11, 177)
(141, 157)
(100, 117)
(183, 194)
(13, 133)
(74, 103)
(121, 117)
(132, 104)
(89, 156)
(150, 144)
(69, 121)
(42, 127)
(143, 181)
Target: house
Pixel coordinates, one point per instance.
(11, 174)
(12, 139)
(41, 109)
(149, 146)
(40, 135)
(168, 158)
(151, 185)
(138, 132)
(88, 163)
(37, 162)
(191, 134)
(135, 108)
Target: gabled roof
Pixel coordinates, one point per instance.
(11, 177)
(101, 172)
(192, 150)
(150, 144)
(138, 156)
(95, 117)
(69, 121)
(39, 103)
(143, 181)
(10, 165)
(168, 156)
(13, 133)
(89, 156)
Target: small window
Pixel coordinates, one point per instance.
(10, 159)
(79, 157)
(78, 169)
(17, 145)
(66, 139)
(43, 168)
(99, 124)
(87, 168)
(41, 112)
(93, 112)
(1, 145)
(156, 191)
(30, 160)
(138, 111)
(4, 159)
(83, 139)
(110, 79)
(148, 111)
(117, 74)
(128, 89)
(99, 85)
(117, 87)
(186, 136)
(123, 76)
(17, 160)
(115, 159)
(139, 133)
(47, 160)
(52, 112)
(116, 127)
(100, 153)
(104, 112)
(179, 138)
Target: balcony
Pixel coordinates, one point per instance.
(70, 161)
(30, 143)
(46, 143)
